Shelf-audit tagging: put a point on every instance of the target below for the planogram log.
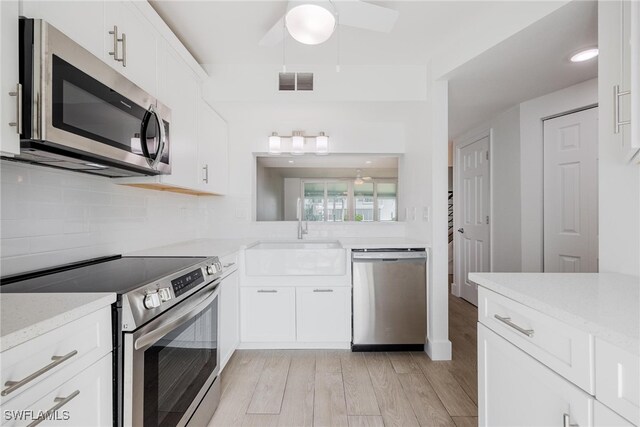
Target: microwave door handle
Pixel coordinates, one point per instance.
(163, 141)
(149, 115)
(164, 328)
(143, 134)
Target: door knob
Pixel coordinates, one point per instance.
(460, 230)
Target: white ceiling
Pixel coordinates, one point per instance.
(228, 32)
(530, 64)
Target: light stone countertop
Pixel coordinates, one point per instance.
(27, 316)
(606, 305)
(223, 247)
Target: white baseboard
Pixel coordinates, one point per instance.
(455, 289)
(438, 350)
(293, 345)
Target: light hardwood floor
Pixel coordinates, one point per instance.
(339, 388)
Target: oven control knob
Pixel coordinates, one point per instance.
(211, 270)
(151, 300)
(165, 294)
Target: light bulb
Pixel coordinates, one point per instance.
(297, 143)
(322, 144)
(274, 143)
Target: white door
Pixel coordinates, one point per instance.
(323, 314)
(268, 315)
(473, 215)
(571, 193)
(517, 390)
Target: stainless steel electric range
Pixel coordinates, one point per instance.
(165, 332)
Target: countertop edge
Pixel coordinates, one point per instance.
(623, 341)
(29, 332)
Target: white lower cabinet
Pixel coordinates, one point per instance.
(517, 390)
(300, 317)
(323, 314)
(84, 400)
(268, 314)
(229, 317)
(605, 417)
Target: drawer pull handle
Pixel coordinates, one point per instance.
(566, 421)
(323, 290)
(57, 360)
(60, 402)
(267, 291)
(507, 321)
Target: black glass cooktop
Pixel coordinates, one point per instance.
(114, 274)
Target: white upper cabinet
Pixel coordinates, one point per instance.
(618, 70)
(9, 103)
(82, 21)
(130, 44)
(212, 150)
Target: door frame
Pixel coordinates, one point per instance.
(458, 145)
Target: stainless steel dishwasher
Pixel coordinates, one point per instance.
(389, 299)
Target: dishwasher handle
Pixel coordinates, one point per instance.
(388, 256)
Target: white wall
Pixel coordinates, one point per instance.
(270, 195)
(531, 157)
(353, 127)
(51, 217)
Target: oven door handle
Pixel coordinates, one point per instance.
(166, 327)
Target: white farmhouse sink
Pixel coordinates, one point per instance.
(295, 258)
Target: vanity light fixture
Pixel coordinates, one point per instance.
(298, 139)
(585, 55)
(297, 142)
(274, 143)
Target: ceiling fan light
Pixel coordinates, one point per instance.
(310, 24)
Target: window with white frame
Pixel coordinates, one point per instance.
(338, 200)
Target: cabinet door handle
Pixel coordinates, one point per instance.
(114, 52)
(323, 290)
(60, 402)
(57, 360)
(507, 321)
(123, 58)
(267, 291)
(205, 168)
(566, 421)
(617, 123)
(18, 95)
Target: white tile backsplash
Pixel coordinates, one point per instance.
(50, 217)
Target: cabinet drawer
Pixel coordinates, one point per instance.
(566, 350)
(618, 380)
(605, 417)
(82, 400)
(88, 338)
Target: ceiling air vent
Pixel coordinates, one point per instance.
(295, 81)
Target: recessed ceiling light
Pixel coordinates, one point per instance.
(290, 161)
(368, 162)
(585, 55)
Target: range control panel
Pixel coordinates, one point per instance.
(183, 283)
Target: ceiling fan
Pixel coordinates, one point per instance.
(313, 21)
(361, 179)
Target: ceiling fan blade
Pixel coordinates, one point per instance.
(356, 13)
(275, 35)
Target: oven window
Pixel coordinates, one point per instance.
(177, 366)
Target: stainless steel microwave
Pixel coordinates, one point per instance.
(78, 113)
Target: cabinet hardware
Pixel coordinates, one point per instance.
(617, 123)
(267, 291)
(323, 290)
(57, 360)
(205, 168)
(114, 33)
(566, 421)
(18, 95)
(507, 321)
(60, 402)
(123, 58)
